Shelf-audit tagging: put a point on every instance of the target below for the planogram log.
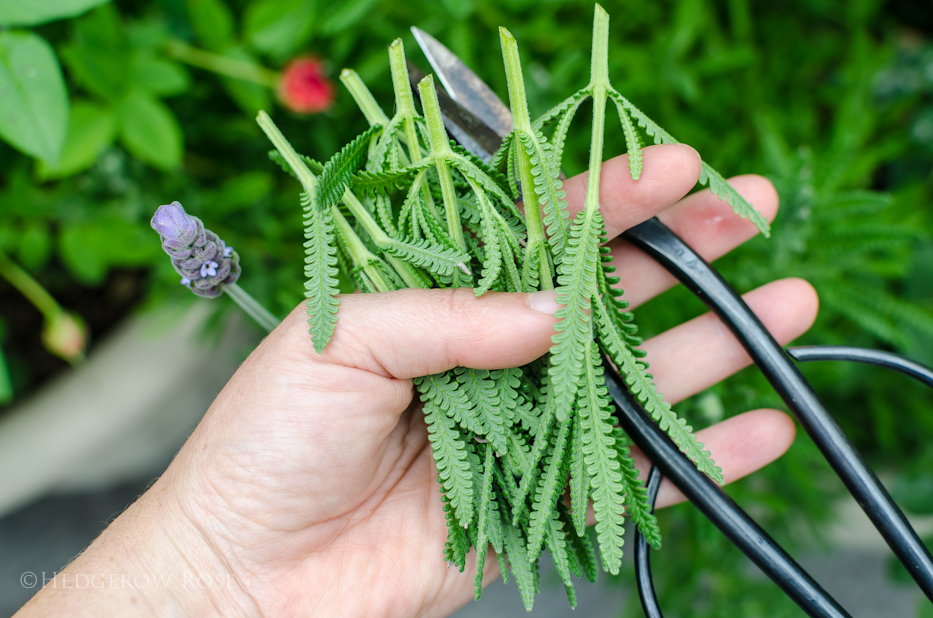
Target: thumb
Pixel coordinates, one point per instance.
(412, 333)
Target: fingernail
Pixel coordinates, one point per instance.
(544, 301)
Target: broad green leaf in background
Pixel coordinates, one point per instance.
(213, 23)
(91, 129)
(33, 99)
(6, 385)
(348, 14)
(158, 76)
(149, 131)
(90, 248)
(33, 12)
(96, 56)
(35, 245)
(279, 27)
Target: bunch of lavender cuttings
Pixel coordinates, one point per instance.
(403, 207)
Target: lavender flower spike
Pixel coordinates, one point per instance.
(198, 255)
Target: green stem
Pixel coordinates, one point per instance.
(513, 75)
(216, 63)
(405, 109)
(380, 238)
(521, 121)
(364, 98)
(251, 306)
(305, 176)
(361, 256)
(440, 153)
(29, 287)
(599, 83)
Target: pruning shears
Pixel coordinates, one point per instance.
(476, 118)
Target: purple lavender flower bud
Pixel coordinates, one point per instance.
(202, 259)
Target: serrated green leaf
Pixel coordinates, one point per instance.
(561, 554)
(637, 502)
(632, 141)
(548, 188)
(480, 389)
(579, 479)
(487, 505)
(431, 257)
(441, 398)
(33, 99)
(643, 389)
(321, 272)
(601, 462)
(708, 175)
(338, 172)
(523, 571)
(276, 157)
(548, 489)
(576, 287)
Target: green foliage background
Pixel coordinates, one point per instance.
(832, 100)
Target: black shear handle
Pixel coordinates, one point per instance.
(654, 238)
(718, 507)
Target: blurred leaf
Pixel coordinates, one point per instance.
(150, 132)
(158, 76)
(35, 245)
(242, 191)
(91, 130)
(213, 23)
(915, 492)
(349, 13)
(248, 96)
(33, 100)
(96, 57)
(33, 12)
(279, 27)
(6, 384)
(90, 248)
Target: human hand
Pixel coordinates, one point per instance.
(310, 482)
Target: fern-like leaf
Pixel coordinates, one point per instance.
(440, 260)
(560, 110)
(577, 286)
(601, 462)
(708, 175)
(561, 554)
(486, 500)
(548, 188)
(549, 485)
(582, 547)
(632, 141)
(579, 479)
(636, 500)
(337, 174)
(381, 183)
(321, 271)
(440, 395)
(523, 571)
(492, 264)
(642, 387)
(479, 389)
(316, 167)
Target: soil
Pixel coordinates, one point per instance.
(102, 308)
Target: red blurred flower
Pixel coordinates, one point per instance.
(304, 88)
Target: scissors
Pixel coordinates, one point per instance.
(478, 119)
